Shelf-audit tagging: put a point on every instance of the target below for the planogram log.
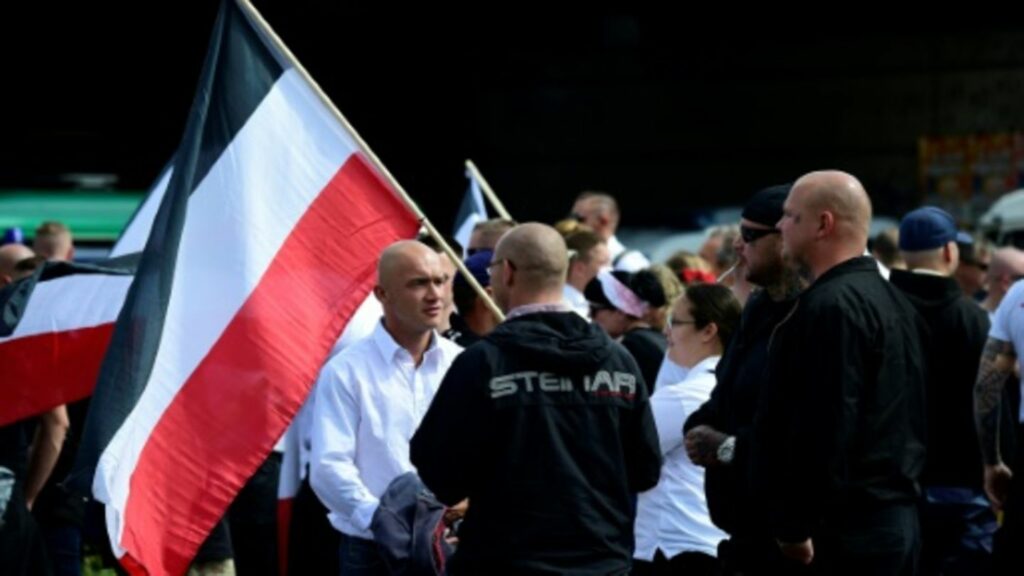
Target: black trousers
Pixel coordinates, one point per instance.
(1008, 545)
(753, 554)
(312, 541)
(688, 563)
(252, 519)
(881, 540)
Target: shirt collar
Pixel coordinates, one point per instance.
(389, 349)
(534, 308)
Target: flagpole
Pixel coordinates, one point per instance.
(488, 191)
(272, 36)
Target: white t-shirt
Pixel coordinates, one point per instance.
(1008, 325)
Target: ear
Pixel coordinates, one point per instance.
(380, 294)
(826, 223)
(709, 333)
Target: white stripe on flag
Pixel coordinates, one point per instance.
(71, 302)
(238, 218)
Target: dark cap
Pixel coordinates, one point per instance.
(765, 207)
(929, 228)
(477, 265)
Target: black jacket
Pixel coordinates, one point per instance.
(741, 375)
(844, 428)
(545, 426)
(958, 330)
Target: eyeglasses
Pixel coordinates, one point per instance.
(498, 262)
(674, 322)
(751, 235)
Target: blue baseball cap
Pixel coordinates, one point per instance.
(929, 228)
(477, 265)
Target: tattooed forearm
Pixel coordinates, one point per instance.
(996, 366)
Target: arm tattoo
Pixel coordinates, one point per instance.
(997, 360)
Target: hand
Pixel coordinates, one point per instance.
(802, 552)
(702, 445)
(997, 484)
(453, 513)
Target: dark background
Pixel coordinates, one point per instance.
(671, 114)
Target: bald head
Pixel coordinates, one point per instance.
(538, 254)
(1007, 261)
(842, 195)
(10, 255)
(399, 257)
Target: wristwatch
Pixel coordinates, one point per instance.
(727, 450)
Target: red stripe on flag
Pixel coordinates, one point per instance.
(229, 413)
(46, 370)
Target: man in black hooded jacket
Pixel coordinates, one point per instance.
(957, 522)
(544, 425)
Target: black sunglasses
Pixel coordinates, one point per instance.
(751, 235)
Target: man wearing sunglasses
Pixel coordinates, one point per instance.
(718, 435)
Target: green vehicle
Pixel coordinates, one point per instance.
(95, 217)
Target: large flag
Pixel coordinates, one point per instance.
(471, 210)
(136, 232)
(265, 243)
(54, 329)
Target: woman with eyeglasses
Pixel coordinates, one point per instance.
(621, 302)
(674, 533)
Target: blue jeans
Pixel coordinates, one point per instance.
(958, 525)
(359, 557)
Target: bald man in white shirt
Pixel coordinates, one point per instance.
(372, 396)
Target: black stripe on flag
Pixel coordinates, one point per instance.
(239, 71)
(14, 297)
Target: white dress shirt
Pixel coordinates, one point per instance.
(632, 261)
(297, 441)
(673, 516)
(577, 301)
(370, 399)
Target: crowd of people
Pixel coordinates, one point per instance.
(794, 398)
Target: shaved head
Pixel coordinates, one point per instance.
(10, 255)
(1008, 260)
(844, 196)
(399, 256)
(538, 253)
(825, 221)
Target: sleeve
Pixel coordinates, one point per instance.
(1000, 329)
(448, 444)
(640, 440)
(333, 472)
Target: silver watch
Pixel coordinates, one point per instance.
(727, 450)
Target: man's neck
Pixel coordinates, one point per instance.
(415, 343)
(829, 261)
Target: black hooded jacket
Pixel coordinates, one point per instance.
(545, 426)
(958, 329)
